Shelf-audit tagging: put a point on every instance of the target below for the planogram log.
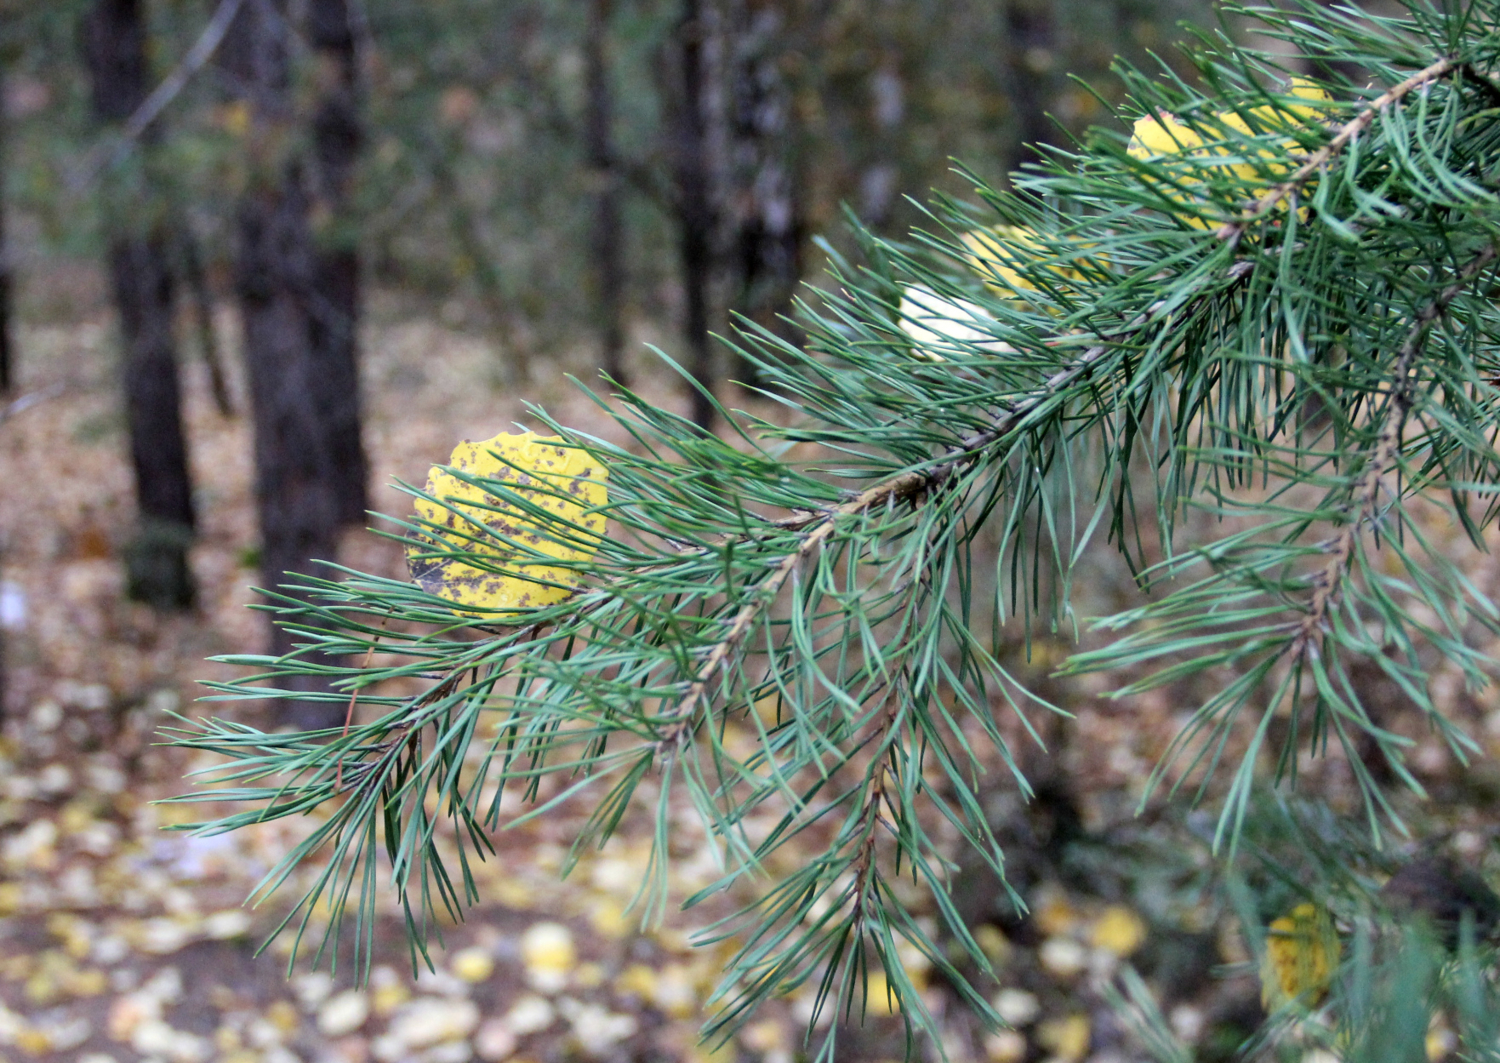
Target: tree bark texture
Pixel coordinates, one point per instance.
(142, 281)
(337, 137)
(279, 280)
(1031, 35)
(7, 291)
(881, 180)
(202, 300)
(608, 232)
(114, 39)
(695, 206)
(297, 503)
(767, 242)
(296, 500)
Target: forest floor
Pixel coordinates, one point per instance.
(120, 941)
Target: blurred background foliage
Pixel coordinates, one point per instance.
(476, 184)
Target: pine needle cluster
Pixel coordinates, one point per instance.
(1253, 352)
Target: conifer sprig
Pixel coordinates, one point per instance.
(1288, 189)
(1328, 582)
(1253, 357)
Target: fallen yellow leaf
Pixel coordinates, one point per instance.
(565, 484)
(1067, 1038)
(879, 997)
(637, 980)
(1118, 930)
(1302, 950)
(473, 964)
(1162, 137)
(995, 252)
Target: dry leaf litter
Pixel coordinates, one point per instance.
(120, 942)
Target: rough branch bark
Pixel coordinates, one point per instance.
(1329, 582)
(1233, 230)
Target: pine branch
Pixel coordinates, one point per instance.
(819, 527)
(1330, 581)
(1233, 230)
(1113, 350)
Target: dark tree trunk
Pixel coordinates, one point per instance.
(4, 684)
(157, 571)
(295, 493)
(336, 141)
(142, 282)
(768, 237)
(196, 279)
(277, 275)
(607, 233)
(7, 359)
(1031, 42)
(1336, 70)
(293, 483)
(881, 180)
(695, 210)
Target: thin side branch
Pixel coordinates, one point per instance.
(821, 525)
(25, 402)
(111, 155)
(864, 866)
(1233, 230)
(1329, 582)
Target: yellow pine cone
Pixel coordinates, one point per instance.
(566, 483)
(1302, 951)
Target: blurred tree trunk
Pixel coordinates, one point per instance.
(114, 40)
(608, 235)
(696, 216)
(193, 275)
(1027, 74)
(767, 243)
(7, 293)
(880, 181)
(1336, 70)
(337, 136)
(277, 271)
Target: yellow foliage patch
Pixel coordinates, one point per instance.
(1161, 136)
(993, 254)
(993, 251)
(1067, 1037)
(1302, 950)
(564, 483)
(1118, 930)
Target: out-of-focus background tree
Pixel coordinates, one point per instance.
(259, 258)
(257, 188)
